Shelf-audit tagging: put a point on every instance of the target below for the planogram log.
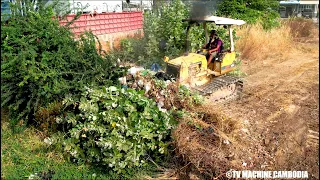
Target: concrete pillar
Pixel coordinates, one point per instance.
(315, 10)
(111, 43)
(231, 39)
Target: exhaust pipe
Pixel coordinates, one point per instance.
(199, 10)
(187, 40)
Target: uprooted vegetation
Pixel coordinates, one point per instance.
(167, 93)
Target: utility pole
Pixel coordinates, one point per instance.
(156, 3)
(141, 5)
(154, 6)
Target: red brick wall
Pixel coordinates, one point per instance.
(106, 23)
(109, 27)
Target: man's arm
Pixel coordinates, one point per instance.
(205, 45)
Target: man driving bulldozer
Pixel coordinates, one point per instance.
(214, 46)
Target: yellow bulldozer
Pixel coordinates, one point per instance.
(192, 69)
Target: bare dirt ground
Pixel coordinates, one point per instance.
(280, 111)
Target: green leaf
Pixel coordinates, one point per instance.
(112, 88)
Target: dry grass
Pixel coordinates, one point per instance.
(209, 141)
(300, 28)
(45, 117)
(255, 44)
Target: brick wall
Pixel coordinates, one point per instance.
(109, 27)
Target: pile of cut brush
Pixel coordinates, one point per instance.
(204, 138)
(167, 93)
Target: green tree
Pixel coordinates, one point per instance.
(251, 11)
(165, 35)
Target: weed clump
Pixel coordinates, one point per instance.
(300, 27)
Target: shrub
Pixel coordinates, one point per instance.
(114, 127)
(299, 27)
(263, 11)
(130, 48)
(41, 62)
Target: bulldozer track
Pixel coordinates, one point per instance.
(221, 83)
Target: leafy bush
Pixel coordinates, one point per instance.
(130, 48)
(252, 12)
(114, 127)
(41, 62)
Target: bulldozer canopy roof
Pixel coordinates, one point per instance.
(217, 20)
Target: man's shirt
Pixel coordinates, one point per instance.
(214, 43)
